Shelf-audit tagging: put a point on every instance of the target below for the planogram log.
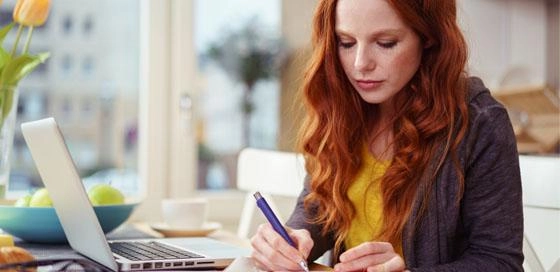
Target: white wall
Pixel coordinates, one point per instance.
(506, 36)
(553, 43)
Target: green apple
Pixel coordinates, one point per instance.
(40, 198)
(23, 201)
(105, 194)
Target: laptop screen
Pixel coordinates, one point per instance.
(78, 219)
(59, 174)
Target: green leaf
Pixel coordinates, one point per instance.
(20, 66)
(4, 58)
(1, 104)
(4, 31)
(8, 101)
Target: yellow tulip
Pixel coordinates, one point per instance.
(31, 12)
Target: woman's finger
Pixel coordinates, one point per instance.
(258, 264)
(364, 249)
(264, 264)
(363, 262)
(395, 264)
(303, 240)
(273, 251)
(271, 258)
(277, 242)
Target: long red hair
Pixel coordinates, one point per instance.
(430, 121)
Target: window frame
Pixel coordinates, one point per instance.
(167, 152)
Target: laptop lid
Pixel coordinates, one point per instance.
(77, 217)
(72, 206)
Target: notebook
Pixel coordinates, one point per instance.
(82, 229)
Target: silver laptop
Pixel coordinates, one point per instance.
(82, 229)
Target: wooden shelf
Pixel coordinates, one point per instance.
(535, 115)
(531, 99)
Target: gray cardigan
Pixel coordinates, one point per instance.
(485, 231)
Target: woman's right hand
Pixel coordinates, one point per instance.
(272, 253)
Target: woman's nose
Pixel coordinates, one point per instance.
(364, 59)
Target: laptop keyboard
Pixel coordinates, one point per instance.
(144, 251)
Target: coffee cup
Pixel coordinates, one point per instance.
(184, 213)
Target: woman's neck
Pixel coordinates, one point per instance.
(380, 142)
(380, 146)
(386, 111)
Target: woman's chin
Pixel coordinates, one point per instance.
(374, 98)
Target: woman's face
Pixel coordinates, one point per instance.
(378, 51)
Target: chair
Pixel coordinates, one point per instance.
(277, 175)
(540, 178)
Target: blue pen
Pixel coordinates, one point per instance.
(276, 225)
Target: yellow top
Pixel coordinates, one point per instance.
(365, 194)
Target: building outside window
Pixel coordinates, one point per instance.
(95, 115)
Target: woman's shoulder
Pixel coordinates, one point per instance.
(479, 98)
(488, 118)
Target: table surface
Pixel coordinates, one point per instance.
(128, 231)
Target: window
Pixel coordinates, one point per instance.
(88, 67)
(88, 25)
(234, 113)
(96, 116)
(67, 24)
(66, 64)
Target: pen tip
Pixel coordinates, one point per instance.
(257, 195)
(303, 265)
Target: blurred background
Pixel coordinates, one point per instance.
(160, 96)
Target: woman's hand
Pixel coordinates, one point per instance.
(272, 253)
(371, 257)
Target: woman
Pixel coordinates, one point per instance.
(412, 165)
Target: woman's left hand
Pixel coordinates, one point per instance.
(371, 257)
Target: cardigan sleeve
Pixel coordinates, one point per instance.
(300, 219)
(491, 207)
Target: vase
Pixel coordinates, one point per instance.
(8, 112)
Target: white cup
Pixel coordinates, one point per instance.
(184, 213)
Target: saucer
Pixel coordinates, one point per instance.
(169, 231)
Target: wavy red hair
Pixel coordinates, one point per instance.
(430, 122)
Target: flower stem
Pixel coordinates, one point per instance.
(20, 29)
(28, 40)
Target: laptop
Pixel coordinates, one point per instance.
(82, 228)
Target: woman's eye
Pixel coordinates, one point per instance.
(346, 45)
(387, 45)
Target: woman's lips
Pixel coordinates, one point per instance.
(369, 84)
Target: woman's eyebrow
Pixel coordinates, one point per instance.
(386, 31)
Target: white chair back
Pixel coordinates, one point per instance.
(277, 175)
(540, 176)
